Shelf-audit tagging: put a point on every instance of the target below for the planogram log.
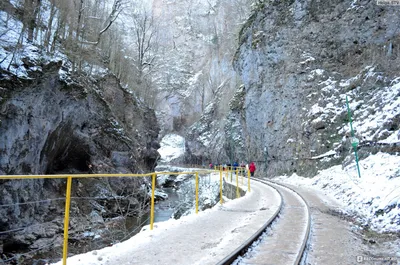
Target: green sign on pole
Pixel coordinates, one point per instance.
(354, 140)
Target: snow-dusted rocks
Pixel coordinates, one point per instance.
(374, 198)
(298, 73)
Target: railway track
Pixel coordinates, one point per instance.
(282, 239)
(270, 225)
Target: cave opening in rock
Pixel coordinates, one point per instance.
(72, 160)
(67, 155)
(14, 246)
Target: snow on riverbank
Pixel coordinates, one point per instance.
(374, 198)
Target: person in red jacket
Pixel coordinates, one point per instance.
(252, 169)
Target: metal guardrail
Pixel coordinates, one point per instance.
(153, 175)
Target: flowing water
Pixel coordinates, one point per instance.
(163, 210)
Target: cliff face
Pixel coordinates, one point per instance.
(216, 137)
(54, 123)
(299, 60)
(53, 126)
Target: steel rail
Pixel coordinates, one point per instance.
(308, 228)
(244, 247)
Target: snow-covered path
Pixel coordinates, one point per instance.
(208, 237)
(331, 241)
(285, 240)
(205, 238)
(211, 235)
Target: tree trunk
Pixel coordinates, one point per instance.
(203, 92)
(77, 50)
(16, 48)
(56, 34)
(53, 12)
(28, 16)
(38, 20)
(31, 10)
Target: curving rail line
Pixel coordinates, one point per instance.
(290, 226)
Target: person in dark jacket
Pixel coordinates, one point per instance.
(252, 168)
(235, 165)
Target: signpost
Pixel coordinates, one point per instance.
(354, 140)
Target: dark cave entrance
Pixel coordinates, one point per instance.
(73, 159)
(14, 246)
(65, 152)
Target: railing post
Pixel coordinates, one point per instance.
(248, 180)
(237, 187)
(197, 192)
(153, 187)
(220, 186)
(66, 219)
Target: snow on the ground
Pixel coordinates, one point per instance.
(8, 42)
(147, 235)
(172, 147)
(374, 198)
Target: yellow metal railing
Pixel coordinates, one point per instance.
(153, 187)
(153, 176)
(66, 219)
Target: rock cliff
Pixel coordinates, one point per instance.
(53, 126)
(57, 123)
(298, 60)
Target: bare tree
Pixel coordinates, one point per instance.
(145, 37)
(31, 9)
(115, 11)
(53, 12)
(135, 58)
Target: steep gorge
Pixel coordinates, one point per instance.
(298, 60)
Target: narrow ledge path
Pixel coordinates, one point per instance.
(205, 238)
(287, 237)
(332, 241)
